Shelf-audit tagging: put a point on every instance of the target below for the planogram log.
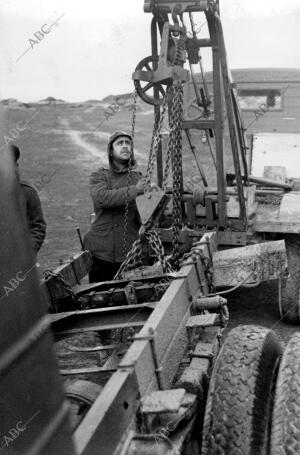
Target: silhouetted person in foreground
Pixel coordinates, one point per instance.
(31, 204)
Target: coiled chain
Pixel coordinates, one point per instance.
(134, 256)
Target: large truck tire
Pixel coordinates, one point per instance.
(239, 401)
(285, 438)
(289, 288)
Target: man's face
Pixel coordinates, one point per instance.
(121, 148)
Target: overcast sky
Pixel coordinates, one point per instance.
(96, 44)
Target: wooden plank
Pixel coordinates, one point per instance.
(199, 124)
(72, 273)
(232, 237)
(249, 264)
(289, 227)
(201, 220)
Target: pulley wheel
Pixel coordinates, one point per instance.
(146, 89)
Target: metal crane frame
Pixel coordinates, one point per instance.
(224, 97)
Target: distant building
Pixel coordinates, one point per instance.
(50, 100)
(269, 98)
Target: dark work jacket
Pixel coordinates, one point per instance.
(36, 223)
(108, 188)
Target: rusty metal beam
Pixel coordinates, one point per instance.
(118, 296)
(154, 48)
(230, 116)
(114, 284)
(85, 370)
(109, 417)
(219, 122)
(67, 324)
(114, 410)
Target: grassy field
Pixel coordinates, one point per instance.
(61, 146)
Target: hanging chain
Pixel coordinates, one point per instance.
(157, 246)
(67, 287)
(151, 158)
(156, 139)
(174, 155)
(175, 149)
(134, 103)
(133, 258)
(169, 149)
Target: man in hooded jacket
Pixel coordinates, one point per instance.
(110, 191)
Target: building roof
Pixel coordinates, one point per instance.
(262, 74)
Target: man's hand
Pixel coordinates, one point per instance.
(141, 185)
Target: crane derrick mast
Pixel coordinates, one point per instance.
(177, 43)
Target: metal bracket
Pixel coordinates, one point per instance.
(150, 203)
(208, 355)
(130, 294)
(158, 369)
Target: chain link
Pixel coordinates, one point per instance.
(180, 50)
(151, 158)
(133, 258)
(134, 103)
(156, 138)
(207, 266)
(169, 149)
(174, 155)
(175, 150)
(157, 246)
(60, 279)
